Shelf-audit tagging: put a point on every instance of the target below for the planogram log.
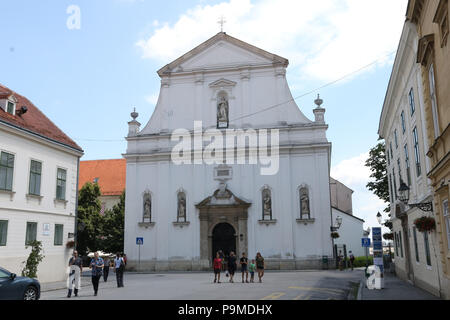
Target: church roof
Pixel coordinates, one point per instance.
(33, 120)
(109, 174)
(222, 36)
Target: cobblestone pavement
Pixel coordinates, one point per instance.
(301, 285)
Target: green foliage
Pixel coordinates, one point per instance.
(97, 232)
(377, 164)
(113, 227)
(35, 257)
(361, 262)
(89, 218)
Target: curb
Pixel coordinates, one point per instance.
(361, 287)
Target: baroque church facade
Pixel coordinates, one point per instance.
(187, 203)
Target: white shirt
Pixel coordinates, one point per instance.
(117, 262)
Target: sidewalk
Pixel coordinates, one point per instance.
(394, 289)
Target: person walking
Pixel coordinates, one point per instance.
(96, 266)
(252, 269)
(260, 265)
(352, 259)
(244, 267)
(75, 269)
(106, 269)
(119, 266)
(341, 261)
(231, 266)
(217, 265)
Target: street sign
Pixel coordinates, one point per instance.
(378, 256)
(139, 241)
(365, 242)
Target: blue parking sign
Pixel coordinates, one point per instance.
(365, 242)
(139, 241)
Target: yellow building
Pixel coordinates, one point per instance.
(431, 17)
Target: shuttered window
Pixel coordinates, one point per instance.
(59, 228)
(31, 232)
(6, 171)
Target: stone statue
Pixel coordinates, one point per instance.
(267, 204)
(147, 207)
(181, 206)
(222, 110)
(304, 202)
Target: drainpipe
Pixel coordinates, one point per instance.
(76, 207)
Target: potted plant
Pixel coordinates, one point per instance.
(388, 236)
(70, 244)
(335, 235)
(425, 224)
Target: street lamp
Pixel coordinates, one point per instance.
(337, 224)
(379, 218)
(404, 197)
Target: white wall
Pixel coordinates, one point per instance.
(18, 209)
(350, 233)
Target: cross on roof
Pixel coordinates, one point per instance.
(222, 21)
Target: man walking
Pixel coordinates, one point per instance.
(244, 267)
(106, 269)
(96, 265)
(119, 266)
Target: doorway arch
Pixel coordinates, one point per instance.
(223, 238)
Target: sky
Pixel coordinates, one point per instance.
(87, 68)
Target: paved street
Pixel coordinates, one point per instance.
(304, 285)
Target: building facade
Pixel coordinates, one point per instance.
(38, 187)
(187, 211)
(110, 176)
(403, 126)
(431, 19)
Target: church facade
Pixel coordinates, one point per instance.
(227, 162)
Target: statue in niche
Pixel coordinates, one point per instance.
(304, 204)
(181, 206)
(147, 207)
(267, 204)
(222, 113)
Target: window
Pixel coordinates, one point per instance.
(412, 105)
(447, 221)
(400, 243)
(395, 184)
(408, 174)
(427, 248)
(3, 232)
(402, 116)
(61, 184)
(390, 189)
(6, 171)
(399, 171)
(10, 107)
(433, 101)
(416, 152)
(35, 178)
(31, 232)
(396, 243)
(415, 244)
(390, 146)
(441, 18)
(396, 139)
(59, 228)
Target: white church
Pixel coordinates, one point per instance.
(227, 162)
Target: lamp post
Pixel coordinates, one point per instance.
(404, 197)
(337, 225)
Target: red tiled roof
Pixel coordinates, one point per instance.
(33, 120)
(111, 175)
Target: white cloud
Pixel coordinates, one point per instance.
(323, 39)
(355, 175)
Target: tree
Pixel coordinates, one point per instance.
(35, 257)
(378, 168)
(89, 219)
(113, 227)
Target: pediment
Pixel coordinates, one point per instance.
(222, 83)
(223, 198)
(222, 51)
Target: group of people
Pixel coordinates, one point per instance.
(99, 267)
(229, 265)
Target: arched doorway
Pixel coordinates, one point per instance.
(223, 238)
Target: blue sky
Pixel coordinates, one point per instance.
(87, 80)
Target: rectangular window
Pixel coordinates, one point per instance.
(400, 243)
(408, 174)
(446, 215)
(35, 178)
(395, 184)
(396, 243)
(416, 152)
(402, 116)
(6, 171)
(433, 101)
(396, 139)
(415, 244)
(399, 171)
(427, 248)
(390, 146)
(61, 184)
(10, 108)
(390, 189)
(411, 102)
(3, 232)
(31, 232)
(59, 228)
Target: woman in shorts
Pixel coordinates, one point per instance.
(260, 266)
